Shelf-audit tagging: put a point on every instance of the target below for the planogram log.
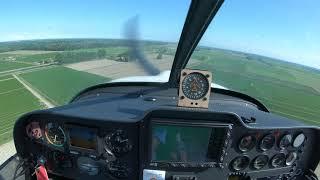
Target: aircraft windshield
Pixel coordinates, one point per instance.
(268, 50)
(51, 50)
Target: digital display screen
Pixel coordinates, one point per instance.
(83, 138)
(176, 143)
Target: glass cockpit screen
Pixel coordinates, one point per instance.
(176, 143)
(83, 138)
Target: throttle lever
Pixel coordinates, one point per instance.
(40, 170)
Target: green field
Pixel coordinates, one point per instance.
(285, 88)
(5, 65)
(60, 84)
(5, 77)
(15, 100)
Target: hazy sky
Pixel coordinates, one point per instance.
(286, 29)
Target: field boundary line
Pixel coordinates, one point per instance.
(35, 93)
(10, 114)
(6, 133)
(296, 110)
(17, 89)
(21, 62)
(299, 118)
(34, 67)
(38, 68)
(6, 79)
(39, 91)
(288, 104)
(6, 130)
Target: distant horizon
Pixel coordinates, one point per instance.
(286, 30)
(150, 40)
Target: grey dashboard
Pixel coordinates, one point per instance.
(122, 118)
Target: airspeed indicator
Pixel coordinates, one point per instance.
(55, 134)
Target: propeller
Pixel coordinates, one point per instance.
(131, 34)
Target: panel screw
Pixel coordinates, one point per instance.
(184, 73)
(204, 99)
(181, 97)
(207, 75)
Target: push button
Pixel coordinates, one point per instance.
(184, 177)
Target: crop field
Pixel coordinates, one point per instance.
(5, 65)
(5, 77)
(24, 52)
(60, 84)
(285, 88)
(14, 101)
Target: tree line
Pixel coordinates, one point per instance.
(66, 44)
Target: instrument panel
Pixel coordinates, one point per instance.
(72, 150)
(269, 150)
(148, 136)
(177, 146)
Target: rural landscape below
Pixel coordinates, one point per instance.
(39, 74)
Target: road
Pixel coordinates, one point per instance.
(26, 69)
(32, 91)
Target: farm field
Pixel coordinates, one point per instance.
(15, 100)
(5, 65)
(24, 52)
(115, 69)
(5, 77)
(287, 89)
(60, 84)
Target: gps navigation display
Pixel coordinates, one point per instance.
(176, 143)
(83, 138)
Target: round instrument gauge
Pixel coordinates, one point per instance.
(260, 161)
(278, 160)
(299, 140)
(267, 142)
(285, 141)
(118, 142)
(291, 158)
(55, 134)
(240, 163)
(33, 130)
(195, 86)
(247, 143)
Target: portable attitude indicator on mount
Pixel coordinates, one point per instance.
(194, 89)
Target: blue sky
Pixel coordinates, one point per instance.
(285, 29)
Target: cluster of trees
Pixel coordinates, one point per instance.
(78, 56)
(162, 51)
(59, 44)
